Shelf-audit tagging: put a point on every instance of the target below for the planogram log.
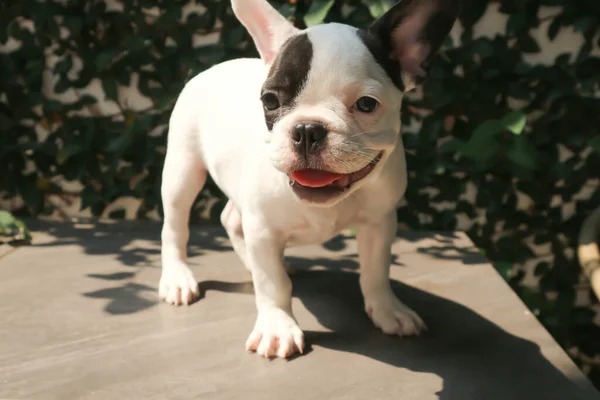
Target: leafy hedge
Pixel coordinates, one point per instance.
(506, 149)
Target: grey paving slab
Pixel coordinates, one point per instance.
(79, 319)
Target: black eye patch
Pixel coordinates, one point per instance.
(287, 76)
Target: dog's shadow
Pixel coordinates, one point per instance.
(475, 358)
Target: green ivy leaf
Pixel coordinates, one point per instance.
(89, 197)
(287, 10)
(232, 37)
(542, 268)
(317, 12)
(484, 47)
(66, 152)
(504, 269)
(16, 32)
(134, 44)
(121, 143)
(450, 146)
(10, 226)
(109, 85)
(6, 122)
(32, 196)
(53, 106)
(522, 153)
(563, 59)
(210, 54)
(555, 26)
(483, 144)
(527, 44)
(104, 58)
(472, 11)
(584, 23)
(7, 222)
(516, 23)
(515, 122)
(378, 7)
(165, 102)
(74, 25)
(64, 65)
(595, 143)
(62, 85)
(87, 99)
(23, 230)
(5, 20)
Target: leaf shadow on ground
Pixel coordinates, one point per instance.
(135, 244)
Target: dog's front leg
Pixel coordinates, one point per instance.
(276, 332)
(381, 304)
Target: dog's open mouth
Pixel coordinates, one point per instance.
(318, 186)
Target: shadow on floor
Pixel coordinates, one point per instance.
(437, 245)
(476, 359)
(120, 239)
(136, 244)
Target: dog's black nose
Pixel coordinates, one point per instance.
(307, 136)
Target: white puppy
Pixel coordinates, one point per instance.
(304, 142)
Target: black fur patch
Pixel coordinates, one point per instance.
(378, 37)
(287, 75)
(381, 54)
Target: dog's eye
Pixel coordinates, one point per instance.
(366, 104)
(270, 101)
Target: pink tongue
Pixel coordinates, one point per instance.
(315, 178)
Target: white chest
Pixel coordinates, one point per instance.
(321, 225)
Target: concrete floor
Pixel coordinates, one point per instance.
(79, 319)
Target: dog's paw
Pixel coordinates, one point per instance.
(177, 285)
(275, 334)
(392, 316)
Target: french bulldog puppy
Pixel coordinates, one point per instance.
(304, 142)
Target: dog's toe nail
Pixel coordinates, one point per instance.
(299, 342)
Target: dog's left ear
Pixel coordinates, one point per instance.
(268, 28)
(408, 35)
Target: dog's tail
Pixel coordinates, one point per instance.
(588, 250)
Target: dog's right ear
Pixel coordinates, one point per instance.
(268, 28)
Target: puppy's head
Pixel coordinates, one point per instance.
(333, 92)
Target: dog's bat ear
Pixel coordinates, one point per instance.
(408, 35)
(268, 28)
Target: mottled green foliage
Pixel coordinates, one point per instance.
(498, 166)
(12, 228)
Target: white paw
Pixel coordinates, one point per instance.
(392, 316)
(178, 285)
(275, 334)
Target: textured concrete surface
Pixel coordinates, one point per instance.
(79, 319)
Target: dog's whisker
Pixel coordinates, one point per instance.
(359, 153)
(363, 133)
(341, 161)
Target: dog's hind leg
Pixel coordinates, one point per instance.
(232, 222)
(183, 177)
